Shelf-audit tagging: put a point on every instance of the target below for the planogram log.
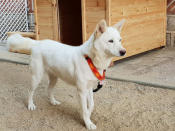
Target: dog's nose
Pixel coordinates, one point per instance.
(122, 52)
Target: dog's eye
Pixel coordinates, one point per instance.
(120, 40)
(111, 41)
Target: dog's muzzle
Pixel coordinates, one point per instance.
(122, 52)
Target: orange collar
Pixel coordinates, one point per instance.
(94, 69)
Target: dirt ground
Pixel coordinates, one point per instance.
(119, 106)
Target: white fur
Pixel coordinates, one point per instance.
(16, 42)
(68, 63)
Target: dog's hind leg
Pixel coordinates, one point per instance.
(52, 82)
(35, 82)
(37, 73)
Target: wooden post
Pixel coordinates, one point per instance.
(36, 21)
(83, 20)
(108, 12)
(55, 20)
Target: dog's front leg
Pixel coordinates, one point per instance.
(83, 94)
(90, 101)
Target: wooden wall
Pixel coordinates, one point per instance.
(46, 19)
(145, 27)
(92, 12)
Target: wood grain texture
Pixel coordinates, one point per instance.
(21, 51)
(46, 19)
(95, 10)
(24, 34)
(108, 12)
(145, 27)
(55, 20)
(36, 21)
(84, 37)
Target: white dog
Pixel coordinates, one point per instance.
(69, 64)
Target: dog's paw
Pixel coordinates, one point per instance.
(91, 126)
(31, 106)
(55, 102)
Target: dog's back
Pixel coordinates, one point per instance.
(54, 58)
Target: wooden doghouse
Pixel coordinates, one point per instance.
(73, 21)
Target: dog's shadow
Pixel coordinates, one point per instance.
(66, 109)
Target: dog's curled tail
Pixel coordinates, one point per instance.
(20, 44)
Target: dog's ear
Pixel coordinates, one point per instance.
(119, 25)
(101, 28)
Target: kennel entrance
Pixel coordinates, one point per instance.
(70, 22)
(59, 20)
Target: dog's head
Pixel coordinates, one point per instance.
(108, 39)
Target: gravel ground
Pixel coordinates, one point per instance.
(119, 106)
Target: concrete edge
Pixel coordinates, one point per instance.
(16, 62)
(112, 78)
(143, 83)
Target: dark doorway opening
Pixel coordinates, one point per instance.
(70, 22)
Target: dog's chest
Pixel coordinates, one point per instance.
(85, 72)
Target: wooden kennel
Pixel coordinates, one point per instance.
(73, 21)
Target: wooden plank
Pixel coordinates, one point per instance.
(95, 10)
(36, 20)
(43, 32)
(46, 17)
(58, 20)
(127, 8)
(24, 34)
(141, 50)
(165, 22)
(21, 51)
(95, 3)
(145, 26)
(108, 12)
(83, 20)
(55, 20)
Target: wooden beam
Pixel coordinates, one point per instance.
(36, 21)
(108, 12)
(83, 8)
(58, 19)
(55, 20)
(165, 21)
(24, 34)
